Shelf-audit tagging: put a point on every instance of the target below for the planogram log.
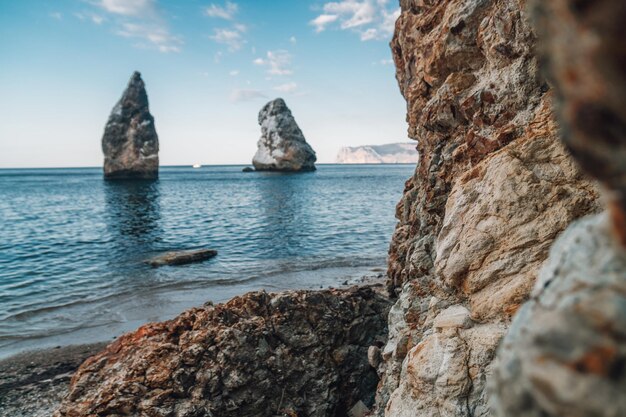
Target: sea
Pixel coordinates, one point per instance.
(73, 246)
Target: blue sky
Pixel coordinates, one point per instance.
(209, 66)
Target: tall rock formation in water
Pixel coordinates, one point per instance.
(130, 142)
(282, 146)
(494, 187)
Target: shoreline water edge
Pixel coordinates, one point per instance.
(34, 382)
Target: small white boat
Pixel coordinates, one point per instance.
(197, 166)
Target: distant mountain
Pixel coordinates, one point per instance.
(392, 153)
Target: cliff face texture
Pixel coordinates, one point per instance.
(130, 142)
(282, 146)
(299, 353)
(493, 189)
(565, 354)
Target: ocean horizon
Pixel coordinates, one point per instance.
(411, 164)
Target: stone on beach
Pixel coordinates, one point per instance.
(130, 143)
(282, 146)
(182, 257)
(298, 353)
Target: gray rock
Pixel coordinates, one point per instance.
(130, 142)
(182, 257)
(374, 356)
(248, 169)
(359, 410)
(282, 146)
(565, 354)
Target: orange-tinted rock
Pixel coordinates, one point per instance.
(295, 353)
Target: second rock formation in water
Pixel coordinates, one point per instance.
(130, 142)
(282, 146)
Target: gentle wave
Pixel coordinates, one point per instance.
(72, 247)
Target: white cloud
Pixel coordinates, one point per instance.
(323, 20)
(56, 15)
(369, 34)
(95, 18)
(277, 62)
(293, 40)
(371, 19)
(287, 87)
(386, 61)
(140, 20)
(227, 11)
(232, 38)
(128, 7)
(156, 36)
(354, 13)
(234, 73)
(389, 21)
(240, 95)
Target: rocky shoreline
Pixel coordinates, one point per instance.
(34, 383)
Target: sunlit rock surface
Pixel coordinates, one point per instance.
(130, 142)
(565, 354)
(492, 190)
(282, 146)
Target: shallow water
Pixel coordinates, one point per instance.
(72, 246)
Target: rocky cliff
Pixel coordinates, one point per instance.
(282, 146)
(494, 187)
(565, 354)
(392, 153)
(301, 353)
(130, 142)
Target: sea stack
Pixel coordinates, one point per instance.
(282, 146)
(130, 142)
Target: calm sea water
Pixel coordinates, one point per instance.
(72, 246)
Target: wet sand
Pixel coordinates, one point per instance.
(32, 384)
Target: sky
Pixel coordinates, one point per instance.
(209, 67)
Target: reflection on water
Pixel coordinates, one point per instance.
(133, 213)
(287, 212)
